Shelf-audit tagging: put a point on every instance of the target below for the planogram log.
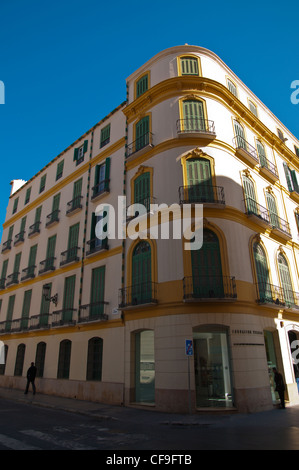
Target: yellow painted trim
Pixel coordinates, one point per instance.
(192, 56)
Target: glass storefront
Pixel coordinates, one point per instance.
(271, 361)
(212, 368)
(145, 367)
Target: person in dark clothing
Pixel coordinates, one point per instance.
(31, 373)
(280, 387)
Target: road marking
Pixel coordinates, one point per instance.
(57, 442)
(15, 444)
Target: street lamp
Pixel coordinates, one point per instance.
(46, 294)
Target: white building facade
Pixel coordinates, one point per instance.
(107, 320)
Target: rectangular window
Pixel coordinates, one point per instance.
(142, 85)
(59, 170)
(42, 183)
(45, 305)
(105, 136)
(3, 274)
(9, 313)
(31, 262)
(27, 197)
(15, 205)
(189, 66)
(79, 152)
(97, 291)
(26, 309)
(101, 179)
(68, 298)
(291, 178)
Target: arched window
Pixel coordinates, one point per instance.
(193, 116)
(240, 136)
(40, 358)
(20, 360)
(285, 279)
(262, 273)
(94, 359)
(207, 269)
(261, 153)
(64, 359)
(141, 274)
(274, 219)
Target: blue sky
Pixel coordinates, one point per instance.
(64, 64)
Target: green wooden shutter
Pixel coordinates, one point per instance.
(107, 174)
(9, 313)
(142, 133)
(26, 308)
(75, 155)
(274, 219)
(85, 146)
(199, 180)
(250, 199)
(294, 180)
(241, 142)
(27, 197)
(38, 213)
(141, 274)
(261, 153)
(4, 269)
(73, 242)
(105, 136)
(142, 190)
(288, 176)
(42, 183)
(17, 265)
(189, 66)
(286, 282)
(45, 307)
(10, 232)
(23, 224)
(55, 203)
(15, 205)
(97, 291)
(207, 268)
(142, 86)
(193, 113)
(68, 298)
(50, 252)
(31, 261)
(262, 272)
(59, 170)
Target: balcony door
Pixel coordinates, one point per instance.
(207, 268)
(199, 180)
(141, 274)
(274, 219)
(194, 117)
(250, 198)
(142, 133)
(240, 135)
(262, 272)
(285, 279)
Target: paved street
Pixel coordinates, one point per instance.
(52, 423)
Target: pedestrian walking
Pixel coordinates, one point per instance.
(280, 387)
(31, 373)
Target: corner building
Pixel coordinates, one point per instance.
(107, 319)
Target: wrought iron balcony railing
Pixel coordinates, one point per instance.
(266, 164)
(13, 278)
(141, 143)
(92, 312)
(53, 218)
(74, 205)
(279, 224)
(64, 316)
(29, 273)
(242, 145)
(34, 228)
(253, 208)
(19, 238)
(100, 188)
(69, 255)
(268, 293)
(195, 125)
(6, 245)
(95, 245)
(47, 265)
(146, 202)
(210, 287)
(139, 294)
(201, 193)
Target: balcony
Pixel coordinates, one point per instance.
(141, 294)
(196, 127)
(63, 317)
(12, 279)
(2, 283)
(280, 227)
(6, 245)
(19, 238)
(140, 146)
(209, 288)
(268, 169)
(100, 189)
(257, 213)
(74, 205)
(40, 321)
(96, 245)
(47, 265)
(19, 324)
(69, 256)
(270, 294)
(53, 218)
(245, 151)
(92, 312)
(34, 229)
(202, 193)
(28, 273)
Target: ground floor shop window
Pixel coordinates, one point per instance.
(145, 367)
(271, 361)
(212, 368)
